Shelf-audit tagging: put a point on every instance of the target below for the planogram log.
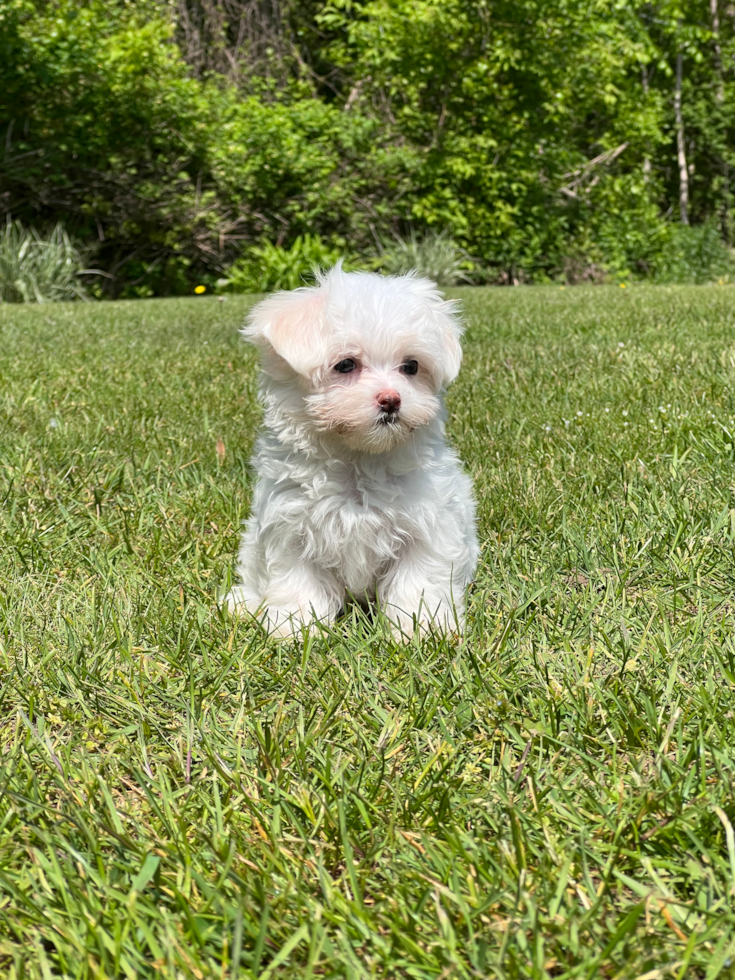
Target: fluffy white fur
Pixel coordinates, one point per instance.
(357, 493)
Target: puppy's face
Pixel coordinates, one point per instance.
(374, 399)
(368, 355)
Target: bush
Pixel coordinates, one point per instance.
(693, 254)
(168, 174)
(37, 270)
(435, 256)
(267, 267)
(473, 118)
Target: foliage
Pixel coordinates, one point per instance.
(464, 80)
(37, 270)
(694, 255)
(435, 256)
(168, 174)
(183, 798)
(541, 140)
(267, 267)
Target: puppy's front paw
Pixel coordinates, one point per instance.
(285, 624)
(240, 600)
(405, 623)
(282, 624)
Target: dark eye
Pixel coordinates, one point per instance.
(344, 367)
(410, 367)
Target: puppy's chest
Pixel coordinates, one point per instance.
(357, 524)
(357, 496)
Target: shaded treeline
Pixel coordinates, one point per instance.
(556, 138)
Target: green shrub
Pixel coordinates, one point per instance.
(541, 143)
(267, 267)
(435, 256)
(169, 175)
(693, 254)
(38, 270)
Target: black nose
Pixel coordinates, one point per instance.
(389, 402)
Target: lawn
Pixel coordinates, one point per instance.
(181, 797)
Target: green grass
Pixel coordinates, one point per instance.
(182, 797)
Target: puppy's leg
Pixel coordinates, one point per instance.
(425, 589)
(247, 595)
(289, 597)
(298, 595)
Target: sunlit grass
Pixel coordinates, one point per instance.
(182, 797)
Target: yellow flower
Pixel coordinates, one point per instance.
(622, 285)
(200, 289)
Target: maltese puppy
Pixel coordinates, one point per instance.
(357, 494)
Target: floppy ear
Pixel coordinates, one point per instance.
(293, 325)
(443, 314)
(448, 320)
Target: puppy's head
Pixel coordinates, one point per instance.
(368, 354)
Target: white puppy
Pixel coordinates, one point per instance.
(357, 493)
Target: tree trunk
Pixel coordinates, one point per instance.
(718, 50)
(681, 152)
(646, 158)
(720, 97)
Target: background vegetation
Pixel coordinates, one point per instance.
(568, 139)
(182, 798)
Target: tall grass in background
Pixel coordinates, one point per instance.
(436, 256)
(38, 270)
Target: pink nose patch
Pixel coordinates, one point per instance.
(389, 400)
